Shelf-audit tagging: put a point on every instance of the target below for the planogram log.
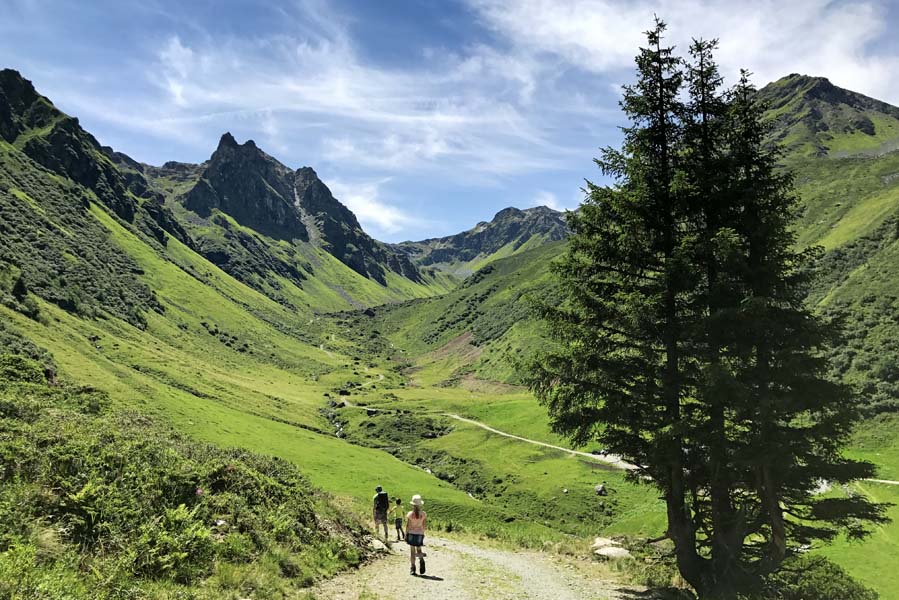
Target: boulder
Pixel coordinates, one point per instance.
(602, 542)
(613, 553)
(377, 545)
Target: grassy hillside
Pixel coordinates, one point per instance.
(101, 503)
(844, 149)
(473, 331)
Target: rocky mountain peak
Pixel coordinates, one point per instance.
(227, 141)
(815, 117)
(249, 185)
(507, 213)
(22, 107)
(261, 193)
(511, 226)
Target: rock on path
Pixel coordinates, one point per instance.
(460, 571)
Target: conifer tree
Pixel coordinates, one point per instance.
(683, 342)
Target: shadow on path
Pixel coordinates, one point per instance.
(655, 594)
(430, 577)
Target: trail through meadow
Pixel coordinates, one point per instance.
(462, 571)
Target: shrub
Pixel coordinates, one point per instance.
(816, 578)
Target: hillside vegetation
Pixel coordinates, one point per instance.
(99, 503)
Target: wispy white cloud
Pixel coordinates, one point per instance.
(544, 198)
(552, 200)
(769, 37)
(375, 214)
(455, 111)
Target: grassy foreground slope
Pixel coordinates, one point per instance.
(102, 503)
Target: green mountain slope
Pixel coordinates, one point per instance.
(816, 118)
(474, 330)
(844, 149)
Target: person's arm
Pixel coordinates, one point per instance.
(424, 521)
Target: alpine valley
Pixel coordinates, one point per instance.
(234, 320)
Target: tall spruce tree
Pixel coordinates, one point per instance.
(684, 344)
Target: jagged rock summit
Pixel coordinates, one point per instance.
(252, 187)
(259, 192)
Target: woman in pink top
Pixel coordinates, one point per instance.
(416, 521)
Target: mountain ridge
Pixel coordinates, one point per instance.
(813, 117)
(510, 231)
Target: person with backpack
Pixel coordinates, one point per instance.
(381, 506)
(416, 522)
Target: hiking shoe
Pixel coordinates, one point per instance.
(412, 570)
(421, 566)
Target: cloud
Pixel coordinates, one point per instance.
(772, 38)
(456, 111)
(544, 198)
(374, 214)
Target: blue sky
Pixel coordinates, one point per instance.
(423, 116)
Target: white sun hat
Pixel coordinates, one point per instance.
(417, 501)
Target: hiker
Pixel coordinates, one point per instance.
(381, 503)
(396, 511)
(416, 521)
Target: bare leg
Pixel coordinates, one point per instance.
(412, 559)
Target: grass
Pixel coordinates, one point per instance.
(873, 561)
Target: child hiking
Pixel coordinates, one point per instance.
(396, 511)
(416, 522)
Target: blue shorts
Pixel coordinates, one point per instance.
(415, 539)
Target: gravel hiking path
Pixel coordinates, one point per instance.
(609, 459)
(460, 571)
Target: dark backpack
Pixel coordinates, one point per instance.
(382, 502)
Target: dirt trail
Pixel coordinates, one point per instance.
(459, 571)
(609, 459)
(883, 481)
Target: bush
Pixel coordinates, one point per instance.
(815, 578)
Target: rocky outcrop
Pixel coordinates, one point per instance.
(57, 142)
(257, 191)
(340, 233)
(252, 187)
